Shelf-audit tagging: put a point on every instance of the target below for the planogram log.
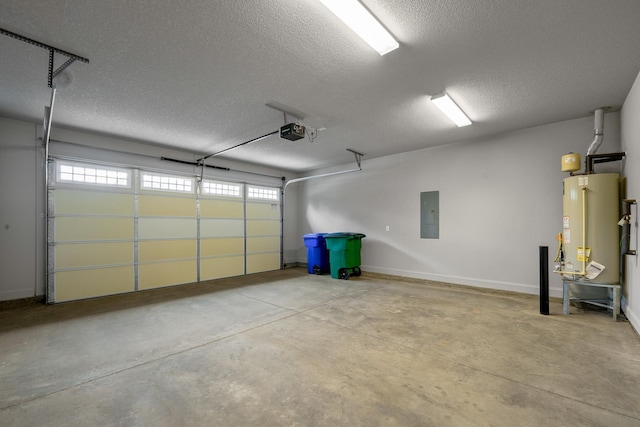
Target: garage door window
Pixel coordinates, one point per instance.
(216, 188)
(86, 174)
(263, 193)
(167, 183)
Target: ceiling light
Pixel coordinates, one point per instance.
(363, 23)
(446, 104)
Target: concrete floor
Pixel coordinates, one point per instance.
(289, 349)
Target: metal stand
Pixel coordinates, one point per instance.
(612, 304)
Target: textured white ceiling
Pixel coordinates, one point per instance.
(196, 74)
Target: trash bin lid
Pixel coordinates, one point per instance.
(345, 235)
(313, 235)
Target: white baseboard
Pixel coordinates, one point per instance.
(468, 281)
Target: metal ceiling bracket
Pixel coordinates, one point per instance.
(62, 67)
(299, 115)
(52, 51)
(358, 156)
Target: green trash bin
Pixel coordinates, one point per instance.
(344, 254)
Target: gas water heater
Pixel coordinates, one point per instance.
(589, 250)
(590, 231)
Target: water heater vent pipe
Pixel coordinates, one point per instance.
(598, 131)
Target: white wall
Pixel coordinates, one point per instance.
(18, 213)
(22, 206)
(630, 133)
(500, 199)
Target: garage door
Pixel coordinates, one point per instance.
(116, 230)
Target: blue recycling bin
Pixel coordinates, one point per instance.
(317, 253)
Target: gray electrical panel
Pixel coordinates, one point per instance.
(430, 215)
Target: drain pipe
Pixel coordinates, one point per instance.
(358, 157)
(598, 131)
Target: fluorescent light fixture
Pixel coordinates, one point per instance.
(446, 104)
(363, 23)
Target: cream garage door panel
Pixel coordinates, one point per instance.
(71, 229)
(81, 284)
(161, 274)
(167, 228)
(263, 227)
(263, 210)
(257, 263)
(166, 206)
(263, 244)
(93, 203)
(216, 268)
(157, 250)
(221, 228)
(74, 255)
(221, 247)
(263, 236)
(214, 208)
(93, 253)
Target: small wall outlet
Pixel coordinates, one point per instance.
(386, 228)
